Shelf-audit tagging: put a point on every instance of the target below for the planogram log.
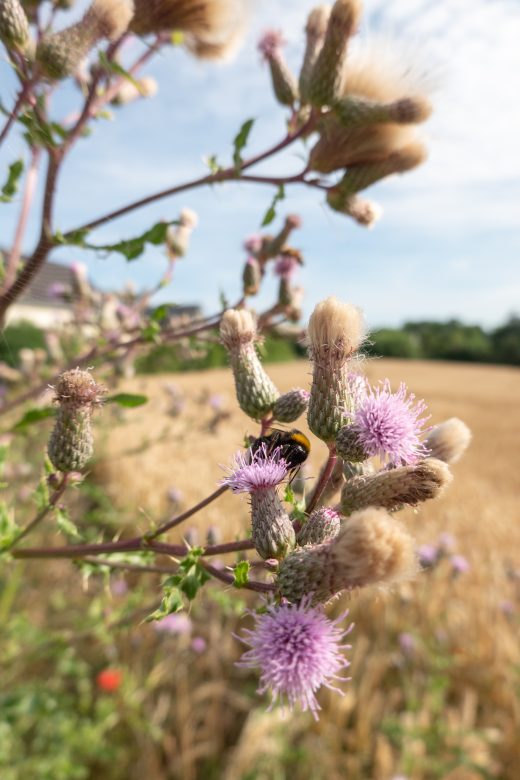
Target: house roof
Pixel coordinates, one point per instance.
(37, 291)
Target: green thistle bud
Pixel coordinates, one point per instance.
(315, 29)
(256, 393)
(289, 406)
(277, 244)
(60, 54)
(362, 175)
(272, 531)
(335, 331)
(323, 525)
(326, 77)
(71, 443)
(251, 276)
(371, 548)
(391, 488)
(348, 446)
(355, 111)
(284, 83)
(14, 26)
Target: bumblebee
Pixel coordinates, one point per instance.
(294, 446)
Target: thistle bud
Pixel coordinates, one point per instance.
(256, 393)
(371, 548)
(60, 54)
(449, 440)
(354, 111)
(71, 443)
(365, 212)
(315, 30)
(178, 236)
(321, 526)
(348, 445)
(362, 175)
(251, 276)
(391, 488)
(272, 532)
(14, 26)
(335, 331)
(277, 244)
(285, 296)
(289, 406)
(326, 77)
(284, 83)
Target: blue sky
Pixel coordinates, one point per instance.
(448, 244)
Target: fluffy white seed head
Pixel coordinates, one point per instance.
(112, 17)
(337, 326)
(449, 440)
(237, 328)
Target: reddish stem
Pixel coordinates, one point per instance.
(323, 480)
(188, 513)
(28, 195)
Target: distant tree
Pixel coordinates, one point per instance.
(506, 342)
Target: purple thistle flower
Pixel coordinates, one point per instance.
(177, 624)
(285, 266)
(390, 424)
(253, 244)
(428, 555)
(271, 43)
(198, 644)
(459, 564)
(256, 471)
(298, 650)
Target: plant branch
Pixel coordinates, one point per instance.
(42, 514)
(323, 479)
(228, 579)
(226, 174)
(28, 195)
(20, 100)
(188, 513)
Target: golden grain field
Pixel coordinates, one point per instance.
(449, 709)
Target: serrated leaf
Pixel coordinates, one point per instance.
(10, 188)
(114, 67)
(241, 574)
(161, 312)
(132, 248)
(270, 214)
(34, 416)
(129, 400)
(240, 141)
(65, 524)
(171, 602)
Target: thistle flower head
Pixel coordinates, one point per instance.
(188, 218)
(317, 21)
(298, 650)
(253, 244)
(211, 27)
(111, 17)
(258, 470)
(78, 388)
(237, 328)
(271, 44)
(449, 440)
(335, 328)
(287, 263)
(390, 424)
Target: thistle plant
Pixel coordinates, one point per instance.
(379, 456)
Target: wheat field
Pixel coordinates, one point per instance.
(448, 707)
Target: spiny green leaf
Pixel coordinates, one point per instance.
(65, 524)
(241, 574)
(75, 238)
(10, 188)
(270, 214)
(8, 527)
(213, 163)
(240, 141)
(33, 416)
(127, 399)
(41, 494)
